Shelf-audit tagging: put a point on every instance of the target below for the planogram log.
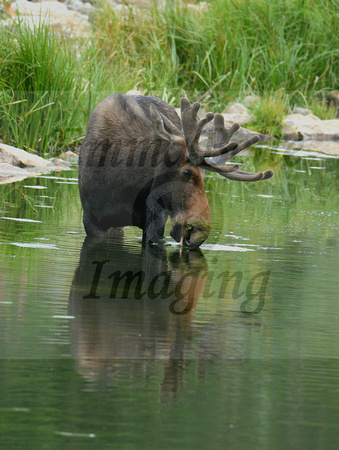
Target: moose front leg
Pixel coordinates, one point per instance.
(91, 226)
(154, 228)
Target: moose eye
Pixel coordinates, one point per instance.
(187, 174)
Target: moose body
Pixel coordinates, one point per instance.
(140, 164)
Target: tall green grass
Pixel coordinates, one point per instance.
(269, 112)
(48, 87)
(232, 48)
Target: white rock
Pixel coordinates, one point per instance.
(133, 92)
(328, 147)
(54, 13)
(201, 7)
(17, 164)
(58, 164)
(302, 111)
(236, 108)
(311, 127)
(238, 118)
(10, 174)
(69, 154)
(237, 113)
(251, 100)
(290, 133)
(21, 157)
(124, 11)
(294, 118)
(25, 7)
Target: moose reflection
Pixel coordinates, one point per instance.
(134, 304)
(134, 308)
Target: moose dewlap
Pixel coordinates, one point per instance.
(140, 164)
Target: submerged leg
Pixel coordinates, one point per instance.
(155, 227)
(92, 228)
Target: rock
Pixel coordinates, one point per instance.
(133, 92)
(69, 154)
(18, 157)
(243, 134)
(7, 8)
(334, 98)
(82, 8)
(237, 118)
(17, 164)
(237, 113)
(290, 133)
(10, 174)
(332, 101)
(57, 14)
(328, 147)
(125, 11)
(302, 111)
(199, 8)
(58, 164)
(310, 127)
(9, 158)
(251, 100)
(236, 108)
(295, 118)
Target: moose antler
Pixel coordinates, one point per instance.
(193, 127)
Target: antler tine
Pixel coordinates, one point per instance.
(192, 129)
(240, 175)
(222, 136)
(232, 172)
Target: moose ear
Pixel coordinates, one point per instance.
(164, 128)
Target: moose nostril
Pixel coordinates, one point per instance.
(187, 237)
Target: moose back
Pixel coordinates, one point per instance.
(141, 164)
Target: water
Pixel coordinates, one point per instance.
(235, 345)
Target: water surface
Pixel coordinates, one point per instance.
(108, 344)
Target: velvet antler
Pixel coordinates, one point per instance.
(193, 127)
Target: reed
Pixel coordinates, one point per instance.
(284, 51)
(231, 48)
(48, 88)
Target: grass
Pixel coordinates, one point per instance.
(268, 113)
(286, 52)
(236, 46)
(322, 110)
(48, 88)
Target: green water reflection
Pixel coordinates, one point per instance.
(233, 345)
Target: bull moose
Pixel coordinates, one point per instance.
(140, 164)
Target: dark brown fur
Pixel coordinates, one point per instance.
(140, 164)
(129, 175)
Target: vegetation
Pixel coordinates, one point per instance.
(227, 50)
(269, 113)
(323, 110)
(48, 87)
(286, 52)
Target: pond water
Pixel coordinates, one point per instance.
(109, 344)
